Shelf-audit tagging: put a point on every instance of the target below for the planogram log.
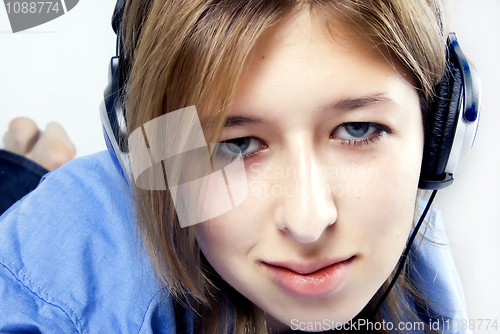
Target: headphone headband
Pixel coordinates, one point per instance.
(116, 19)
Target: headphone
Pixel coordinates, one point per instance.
(450, 131)
(453, 121)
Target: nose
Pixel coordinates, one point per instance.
(307, 211)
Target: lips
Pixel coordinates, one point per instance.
(310, 280)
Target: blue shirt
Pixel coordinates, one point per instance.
(71, 261)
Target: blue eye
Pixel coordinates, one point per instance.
(359, 132)
(247, 146)
(235, 146)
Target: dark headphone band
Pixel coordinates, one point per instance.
(113, 91)
(117, 18)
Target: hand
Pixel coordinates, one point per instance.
(50, 148)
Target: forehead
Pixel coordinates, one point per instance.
(307, 36)
(302, 56)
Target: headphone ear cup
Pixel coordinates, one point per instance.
(442, 125)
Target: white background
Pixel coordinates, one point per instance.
(57, 71)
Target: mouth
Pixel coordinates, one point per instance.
(310, 280)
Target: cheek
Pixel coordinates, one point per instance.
(214, 241)
(228, 238)
(379, 219)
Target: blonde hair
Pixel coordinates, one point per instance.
(190, 52)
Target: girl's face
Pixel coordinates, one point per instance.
(333, 139)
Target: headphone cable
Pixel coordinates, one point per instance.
(402, 260)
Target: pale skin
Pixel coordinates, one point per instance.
(300, 89)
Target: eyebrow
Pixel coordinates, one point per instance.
(356, 103)
(346, 104)
(242, 120)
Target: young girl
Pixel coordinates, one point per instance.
(326, 103)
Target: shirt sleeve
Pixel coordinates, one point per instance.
(71, 260)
